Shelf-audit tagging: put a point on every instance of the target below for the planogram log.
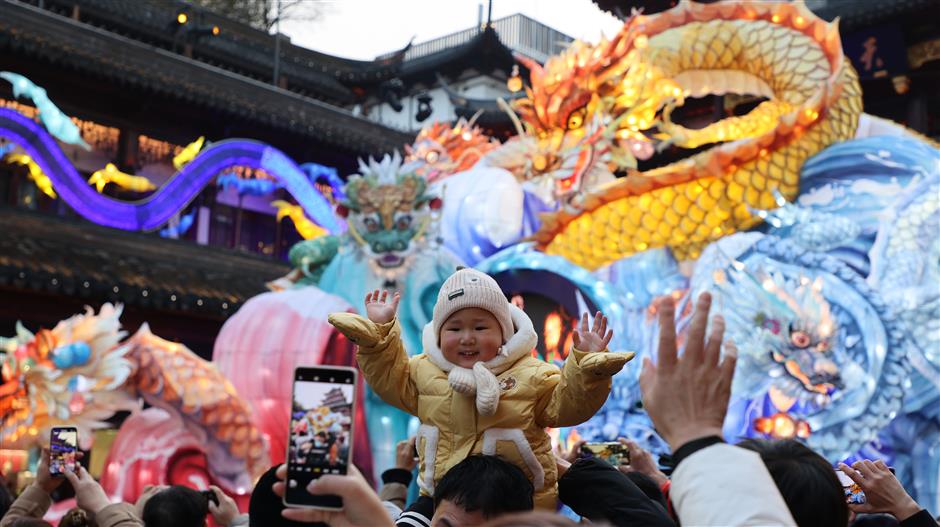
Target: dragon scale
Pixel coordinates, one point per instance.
(779, 51)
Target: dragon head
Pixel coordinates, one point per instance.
(788, 332)
(441, 150)
(635, 93)
(387, 207)
(589, 108)
(68, 375)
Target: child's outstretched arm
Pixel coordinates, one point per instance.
(572, 396)
(381, 353)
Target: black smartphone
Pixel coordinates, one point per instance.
(613, 452)
(321, 432)
(210, 497)
(63, 445)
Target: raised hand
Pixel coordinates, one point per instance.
(687, 397)
(88, 493)
(883, 491)
(595, 339)
(405, 454)
(378, 309)
(44, 479)
(226, 511)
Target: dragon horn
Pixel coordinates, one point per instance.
(535, 69)
(473, 119)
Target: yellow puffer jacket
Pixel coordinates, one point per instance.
(533, 395)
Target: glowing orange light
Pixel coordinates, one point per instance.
(763, 425)
(552, 332)
(514, 82)
(216, 31)
(182, 18)
(803, 430)
(775, 19)
(799, 21)
(784, 427)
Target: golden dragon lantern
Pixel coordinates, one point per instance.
(614, 102)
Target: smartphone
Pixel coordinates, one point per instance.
(853, 493)
(210, 497)
(613, 452)
(320, 433)
(63, 444)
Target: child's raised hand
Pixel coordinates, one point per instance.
(595, 339)
(378, 309)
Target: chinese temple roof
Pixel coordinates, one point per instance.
(47, 254)
(49, 39)
(484, 53)
(239, 47)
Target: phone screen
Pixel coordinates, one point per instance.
(62, 448)
(321, 432)
(853, 493)
(613, 452)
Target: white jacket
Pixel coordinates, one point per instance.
(726, 485)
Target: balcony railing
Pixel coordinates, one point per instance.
(518, 32)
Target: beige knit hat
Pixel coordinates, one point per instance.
(471, 288)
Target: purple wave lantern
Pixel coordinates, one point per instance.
(155, 210)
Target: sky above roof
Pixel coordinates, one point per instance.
(364, 29)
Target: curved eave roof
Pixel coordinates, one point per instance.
(484, 52)
(62, 42)
(239, 47)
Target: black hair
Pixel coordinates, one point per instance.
(487, 484)
(177, 506)
(649, 487)
(6, 498)
(264, 508)
(807, 482)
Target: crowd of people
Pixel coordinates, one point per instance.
(708, 481)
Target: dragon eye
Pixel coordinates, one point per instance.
(431, 156)
(800, 339)
(371, 224)
(403, 223)
(576, 119)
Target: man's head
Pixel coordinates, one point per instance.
(176, 506)
(471, 318)
(480, 488)
(807, 482)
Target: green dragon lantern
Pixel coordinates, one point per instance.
(387, 208)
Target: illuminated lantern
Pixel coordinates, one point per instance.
(514, 83)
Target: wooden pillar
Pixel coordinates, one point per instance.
(128, 154)
(917, 111)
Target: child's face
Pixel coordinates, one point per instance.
(470, 335)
